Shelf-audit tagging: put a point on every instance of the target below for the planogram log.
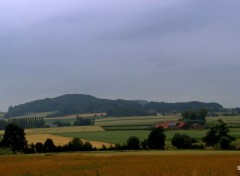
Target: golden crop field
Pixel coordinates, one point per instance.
(59, 140)
(156, 163)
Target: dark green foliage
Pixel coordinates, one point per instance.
(62, 124)
(80, 121)
(39, 147)
(144, 144)
(30, 122)
(30, 149)
(156, 139)
(127, 108)
(212, 137)
(87, 146)
(49, 146)
(179, 107)
(133, 143)
(14, 138)
(75, 145)
(182, 141)
(198, 116)
(219, 134)
(77, 103)
(225, 142)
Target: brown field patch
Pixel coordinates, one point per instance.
(59, 140)
(178, 164)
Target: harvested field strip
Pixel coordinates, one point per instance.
(174, 164)
(64, 129)
(59, 140)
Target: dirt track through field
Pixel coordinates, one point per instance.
(59, 140)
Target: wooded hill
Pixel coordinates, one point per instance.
(79, 103)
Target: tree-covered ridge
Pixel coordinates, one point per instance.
(79, 103)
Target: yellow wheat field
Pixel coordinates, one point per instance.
(77, 164)
(59, 140)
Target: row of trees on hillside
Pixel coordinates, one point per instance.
(30, 122)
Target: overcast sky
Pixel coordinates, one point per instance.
(157, 50)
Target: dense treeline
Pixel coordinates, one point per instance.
(31, 122)
(179, 107)
(77, 104)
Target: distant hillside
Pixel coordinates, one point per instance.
(78, 103)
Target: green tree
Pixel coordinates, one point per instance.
(133, 142)
(182, 141)
(225, 142)
(211, 138)
(39, 147)
(14, 138)
(198, 116)
(219, 134)
(87, 146)
(75, 145)
(156, 138)
(49, 146)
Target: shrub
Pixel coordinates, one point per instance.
(182, 141)
(156, 139)
(225, 142)
(75, 145)
(49, 146)
(133, 142)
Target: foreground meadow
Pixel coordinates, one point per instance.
(152, 163)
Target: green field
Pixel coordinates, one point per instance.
(233, 121)
(134, 121)
(121, 136)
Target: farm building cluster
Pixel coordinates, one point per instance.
(178, 125)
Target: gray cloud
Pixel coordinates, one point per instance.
(155, 50)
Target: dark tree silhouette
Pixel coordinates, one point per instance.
(14, 138)
(39, 147)
(181, 141)
(133, 142)
(49, 146)
(156, 139)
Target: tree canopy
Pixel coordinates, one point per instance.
(156, 138)
(78, 103)
(14, 138)
(218, 134)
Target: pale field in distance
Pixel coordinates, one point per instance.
(63, 129)
(59, 140)
(70, 129)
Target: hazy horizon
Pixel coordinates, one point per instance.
(154, 50)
